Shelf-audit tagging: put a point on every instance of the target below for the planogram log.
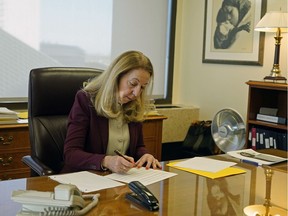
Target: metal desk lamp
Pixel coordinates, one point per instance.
(274, 21)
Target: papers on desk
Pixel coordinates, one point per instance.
(205, 164)
(207, 167)
(249, 155)
(145, 176)
(8, 116)
(86, 181)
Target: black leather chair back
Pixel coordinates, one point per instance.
(50, 97)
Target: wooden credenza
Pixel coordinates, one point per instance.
(152, 132)
(14, 144)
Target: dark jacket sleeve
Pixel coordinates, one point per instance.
(84, 150)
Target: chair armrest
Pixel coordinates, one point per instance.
(37, 166)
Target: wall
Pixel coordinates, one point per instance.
(212, 87)
(180, 118)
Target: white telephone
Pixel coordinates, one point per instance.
(66, 200)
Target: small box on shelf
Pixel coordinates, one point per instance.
(272, 119)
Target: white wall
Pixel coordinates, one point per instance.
(213, 87)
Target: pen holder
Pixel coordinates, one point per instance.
(266, 209)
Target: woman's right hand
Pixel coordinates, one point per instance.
(118, 164)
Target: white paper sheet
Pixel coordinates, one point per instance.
(86, 181)
(145, 176)
(205, 164)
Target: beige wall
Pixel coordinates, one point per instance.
(212, 87)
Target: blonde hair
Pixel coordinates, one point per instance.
(103, 89)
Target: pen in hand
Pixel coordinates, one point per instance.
(121, 155)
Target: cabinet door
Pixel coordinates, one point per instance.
(14, 144)
(152, 132)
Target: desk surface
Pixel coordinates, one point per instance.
(183, 194)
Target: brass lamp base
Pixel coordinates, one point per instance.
(260, 210)
(275, 78)
(275, 74)
(266, 209)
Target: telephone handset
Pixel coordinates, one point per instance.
(142, 196)
(66, 200)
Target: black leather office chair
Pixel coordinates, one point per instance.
(51, 95)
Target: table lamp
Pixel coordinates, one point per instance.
(274, 21)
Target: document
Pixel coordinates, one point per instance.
(86, 181)
(143, 175)
(256, 157)
(205, 164)
(4, 110)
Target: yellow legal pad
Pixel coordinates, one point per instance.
(222, 173)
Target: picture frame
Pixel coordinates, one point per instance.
(234, 185)
(233, 40)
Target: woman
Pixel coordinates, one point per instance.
(107, 115)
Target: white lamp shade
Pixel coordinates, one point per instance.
(273, 20)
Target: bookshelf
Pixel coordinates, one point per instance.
(271, 95)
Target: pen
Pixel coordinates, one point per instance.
(121, 155)
(249, 162)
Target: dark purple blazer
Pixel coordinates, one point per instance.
(87, 137)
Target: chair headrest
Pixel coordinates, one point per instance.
(52, 90)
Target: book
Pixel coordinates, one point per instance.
(269, 118)
(253, 133)
(268, 111)
(254, 157)
(267, 138)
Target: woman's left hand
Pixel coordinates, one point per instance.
(150, 162)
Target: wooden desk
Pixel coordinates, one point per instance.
(183, 194)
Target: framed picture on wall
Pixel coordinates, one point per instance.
(229, 36)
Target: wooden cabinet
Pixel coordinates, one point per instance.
(270, 95)
(14, 144)
(152, 132)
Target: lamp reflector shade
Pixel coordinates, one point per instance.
(273, 20)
